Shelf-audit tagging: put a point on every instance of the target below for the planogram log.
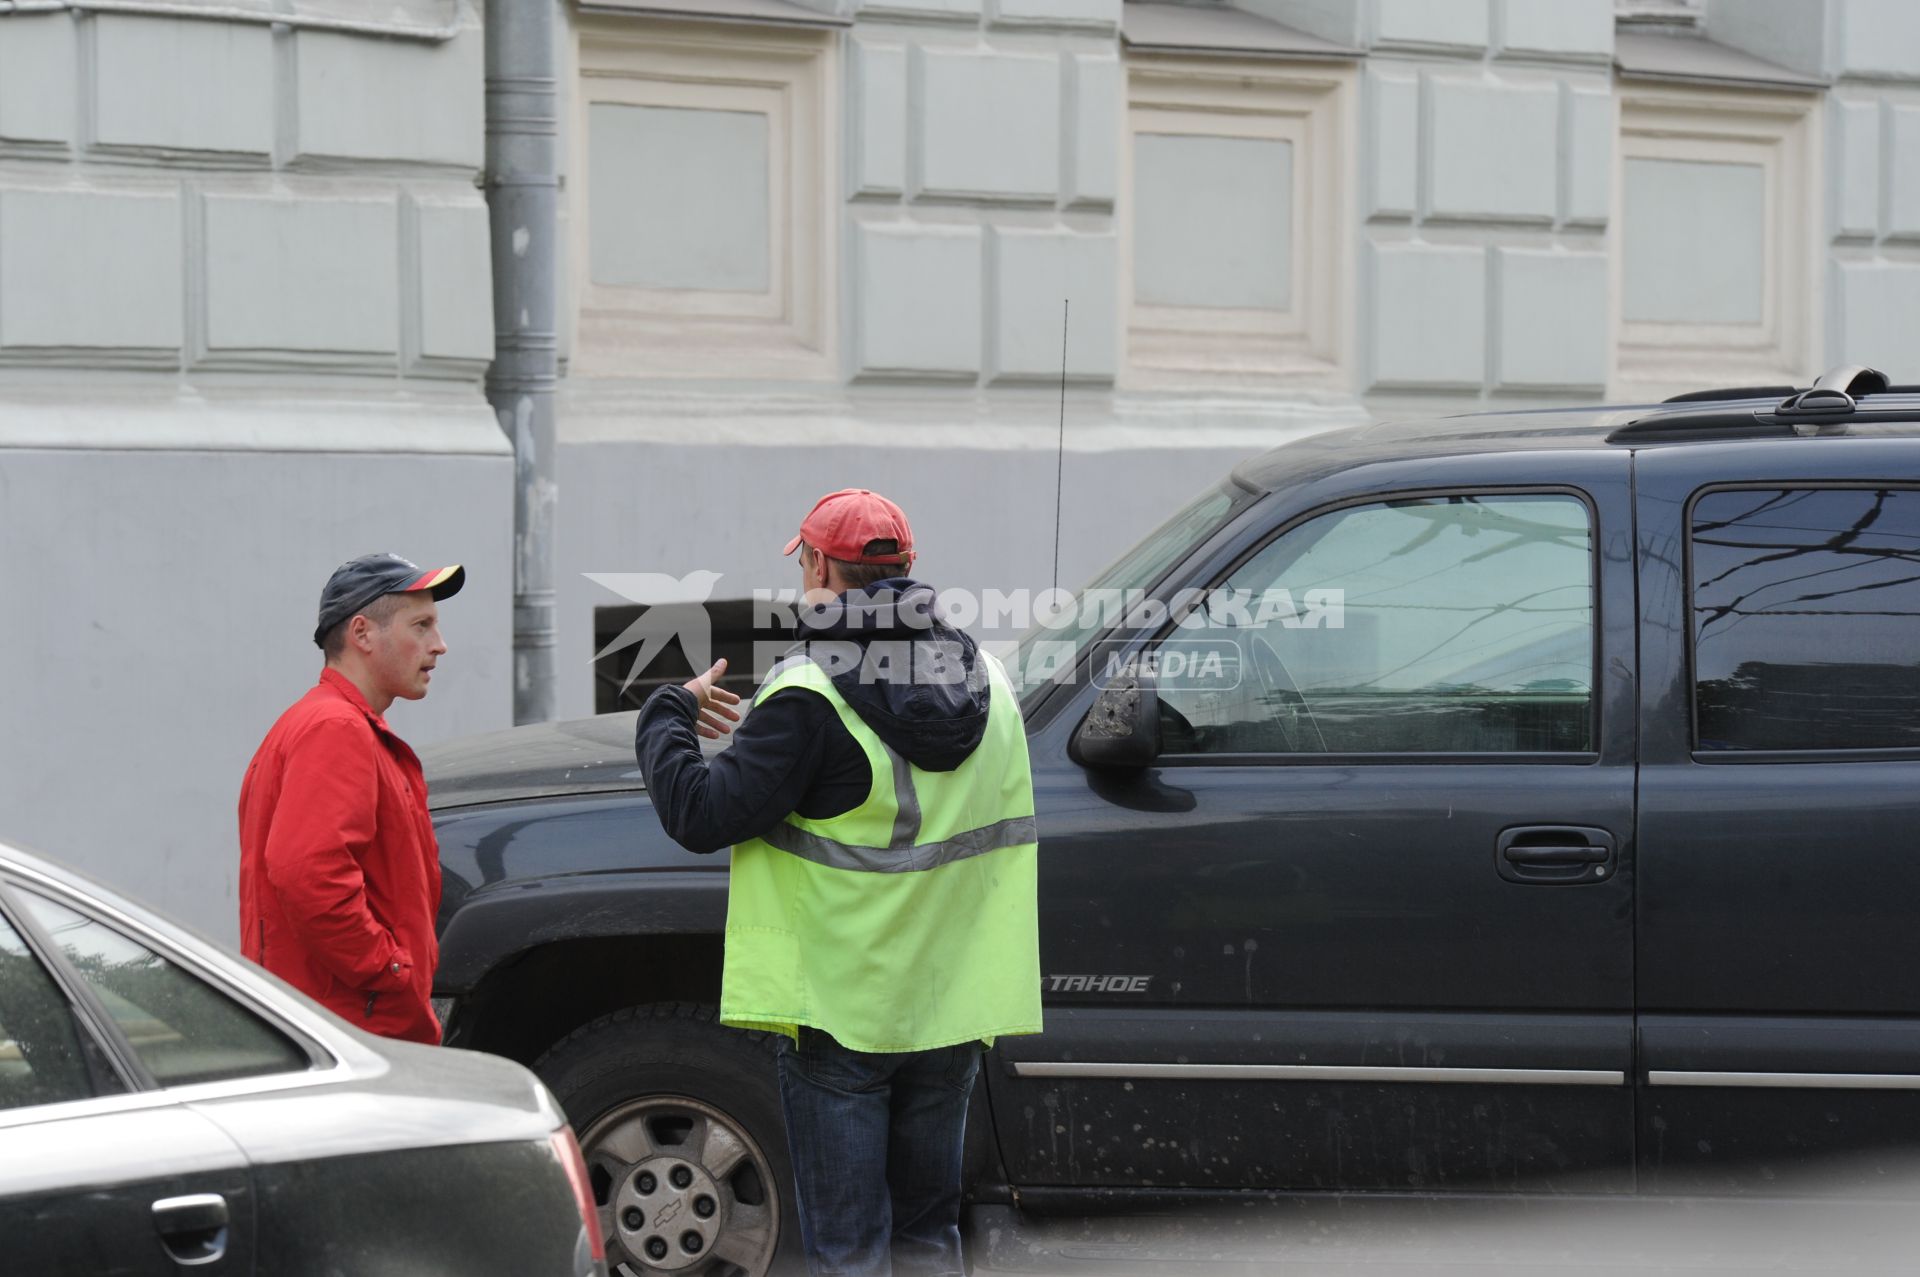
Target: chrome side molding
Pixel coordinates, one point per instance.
(1794, 1081)
(1318, 1073)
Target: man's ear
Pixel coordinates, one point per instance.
(360, 632)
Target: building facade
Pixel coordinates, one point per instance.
(244, 318)
(1039, 269)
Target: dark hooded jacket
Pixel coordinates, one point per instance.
(792, 753)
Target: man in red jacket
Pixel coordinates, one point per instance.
(339, 869)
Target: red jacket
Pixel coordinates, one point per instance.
(339, 869)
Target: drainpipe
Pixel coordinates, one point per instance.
(522, 183)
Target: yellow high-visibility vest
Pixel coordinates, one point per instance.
(908, 923)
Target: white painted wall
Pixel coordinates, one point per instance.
(1693, 241)
(244, 313)
(680, 198)
(1488, 188)
(160, 613)
(1872, 258)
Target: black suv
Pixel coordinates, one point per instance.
(1544, 823)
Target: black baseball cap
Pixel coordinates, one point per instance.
(358, 582)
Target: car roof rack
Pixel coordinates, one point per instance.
(1734, 392)
(1833, 400)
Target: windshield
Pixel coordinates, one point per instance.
(1051, 650)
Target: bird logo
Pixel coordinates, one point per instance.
(675, 608)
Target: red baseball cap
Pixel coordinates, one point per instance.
(843, 524)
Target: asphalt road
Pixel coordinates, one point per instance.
(1452, 1239)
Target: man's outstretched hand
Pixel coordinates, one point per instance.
(715, 702)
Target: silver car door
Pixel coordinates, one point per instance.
(98, 1176)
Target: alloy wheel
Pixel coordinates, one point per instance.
(682, 1189)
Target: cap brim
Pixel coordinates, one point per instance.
(792, 545)
(444, 582)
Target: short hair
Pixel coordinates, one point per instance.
(860, 576)
(381, 612)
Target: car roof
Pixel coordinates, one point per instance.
(1692, 420)
(539, 760)
(371, 1095)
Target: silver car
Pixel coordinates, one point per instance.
(167, 1107)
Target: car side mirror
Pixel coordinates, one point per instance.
(1122, 730)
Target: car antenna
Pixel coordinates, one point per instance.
(1060, 455)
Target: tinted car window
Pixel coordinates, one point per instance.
(1805, 603)
(183, 1029)
(40, 1060)
(1445, 624)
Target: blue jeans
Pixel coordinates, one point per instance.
(876, 1143)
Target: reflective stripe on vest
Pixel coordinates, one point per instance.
(902, 851)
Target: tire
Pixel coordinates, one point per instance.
(679, 1119)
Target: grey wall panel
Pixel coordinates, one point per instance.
(877, 117)
(987, 125)
(1429, 310)
(160, 610)
(122, 290)
(1034, 272)
(183, 84)
(1902, 181)
(1085, 13)
(1853, 166)
(1552, 309)
(1693, 242)
(917, 297)
(929, 9)
(1586, 159)
(1095, 96)
(320, 275)
(1462, 23)
(456, 280)
(1492, 149)
(363, 98)
(1393, 144)
(1213, 221)
(1556, 28)
(1878, 310)
(1877, 37)
(678, 198)
(37, 69)
(391, 14)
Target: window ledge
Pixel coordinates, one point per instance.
(1221, 31)
(1690, 59)
(768, 13)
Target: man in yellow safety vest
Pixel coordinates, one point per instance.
(881, 911)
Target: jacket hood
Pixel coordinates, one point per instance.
(918, 682)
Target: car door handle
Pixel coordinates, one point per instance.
(1554, 855)
(1582, 855)
(192, 1228)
